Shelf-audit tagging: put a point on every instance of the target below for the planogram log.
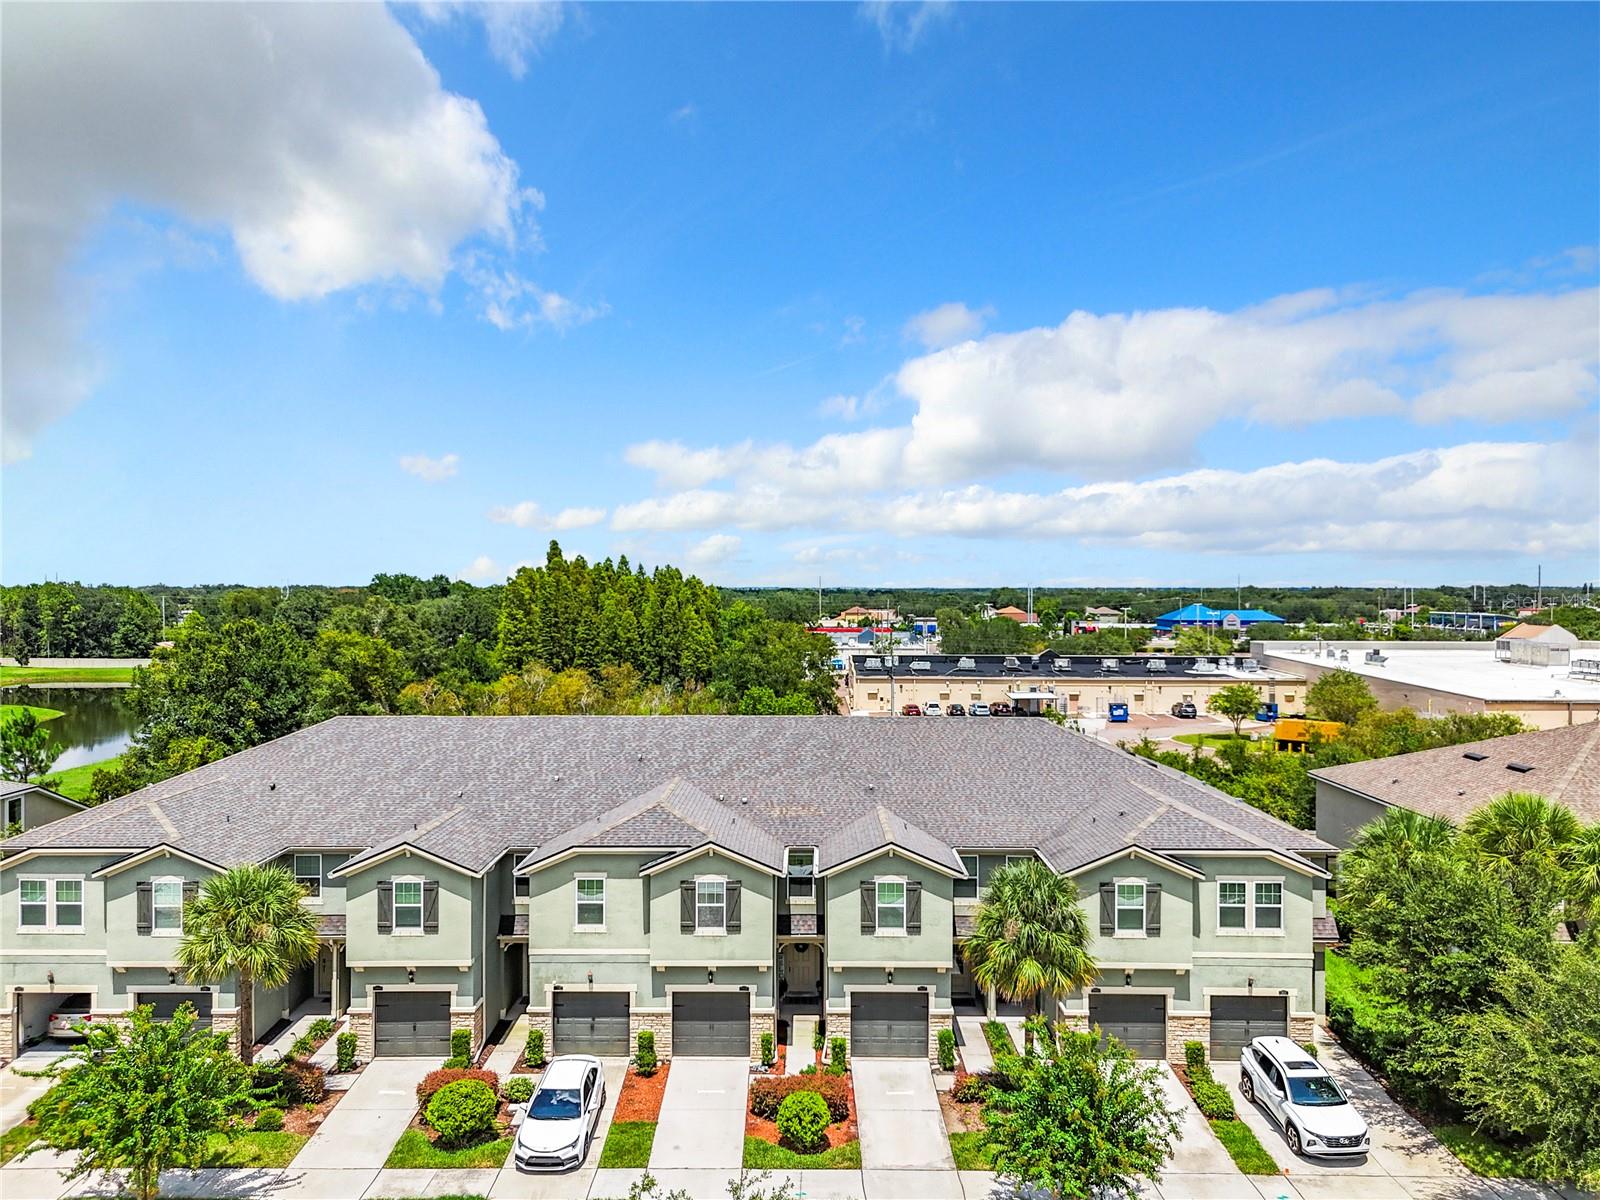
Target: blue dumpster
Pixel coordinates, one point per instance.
(1118, 714)
(1267, 712)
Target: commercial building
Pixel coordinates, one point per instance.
(701, 877)
(1073, 684)
(1436, 678)
(1218, 618)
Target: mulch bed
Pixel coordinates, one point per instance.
(640, 1099)
(296, 1118)
(838, 1134)
(958, 1117)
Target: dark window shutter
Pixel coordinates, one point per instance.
(735, 905)
(1108, 909)
(1152, 909)
(385, 906)
(869, 906)
(686, 906)
(913, 908)
(191, 889)
(430, 906)
(147, 915)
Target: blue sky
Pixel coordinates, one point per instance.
(881, 294)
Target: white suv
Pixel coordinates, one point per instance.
(932, 709)
(1301, 1096)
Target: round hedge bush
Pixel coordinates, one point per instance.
(803, 1122)
(268, 1120)
(519, 1089)
(462, 1111)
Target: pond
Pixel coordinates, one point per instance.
(94, 724)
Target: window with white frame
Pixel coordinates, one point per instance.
(591, 903)
(50, 905)
(1269, 906)
(1013, 859)
(166, 907)
(801, 868)
(710, 905)
(1130, 907)
(891, 906)
(1233, 904)
(408, 905)
(308, 874)
(967, 889)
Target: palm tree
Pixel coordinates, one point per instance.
(248, 923)
(1583, 874)
(1031, 936)
(1522, 829)
(1377, 859)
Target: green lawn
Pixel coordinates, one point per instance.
(628, 1144)
(415, 1151)
(252, 1149)
(971, 1152)
(16, 1139)
(67, 674)
(1482, 1155)
(1213, 740)
(762, 1154)
(39, 714)
(1248, 1154)
(999, 1038)
(74, 782)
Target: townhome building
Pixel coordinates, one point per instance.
(708, 878)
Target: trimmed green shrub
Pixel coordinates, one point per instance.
(836, 1058)
(461, 1043)
(1194, 1057)
(300, 1047)
(519, 1089)
(768, 1092)
(533, 1052)
(644, 1053)
(817, 1036)
(969, 1089)
(302, 1082)
(947, 1049)
(268, 1120)
(266, 1084)
(1310, 1048)
(456, 1062)
(769, 1053)
(462, 1111)
(345, 1053)
(321, 1029)
(1008, 1072)
(444, 1076)
(1213, 1100)
(999, 1039)
(803, 1122)
(809, 1069)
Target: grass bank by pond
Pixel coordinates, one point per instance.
(74, 782)
(48, 675)
(7, 711)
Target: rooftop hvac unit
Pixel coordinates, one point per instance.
(921, 665)
(1108, 664)
(966, 664)
(874, 664)
(1062, 664)
(1011, 663)
(1156, 666)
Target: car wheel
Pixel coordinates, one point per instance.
(1292, 1136)
(1246, 1088)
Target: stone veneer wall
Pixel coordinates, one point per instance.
(936, 1022)
(1186, 1027)
(361, 1024)
(462, 1019)
(1302, 1029)
(227, 1022)
(8, 1035)
(658, 1023)
(762, 1023)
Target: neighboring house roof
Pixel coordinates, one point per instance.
(14, 787)
(1454, 781)
(1203, 612)
(877, 830)
(466, 790)
(1554, 633)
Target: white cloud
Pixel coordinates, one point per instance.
(683, 112)
(1510, 497)
(512, 302)
(516, 31)
(430, 470)
(484, 569)
(947, 324)
(316, 136)
(855, 331)
(902, 23)
(1106, 396)
(529, 515)
(714, 550)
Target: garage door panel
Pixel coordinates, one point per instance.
(889, 1025)
(712, 1024)
(1138, 1022)
(166, 1004)
(591, 1023)
(411, 1024)
(1237, 1020)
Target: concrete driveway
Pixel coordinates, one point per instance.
(702, 1114)
(365, 1125)
(18, 1090)
(897, 1110)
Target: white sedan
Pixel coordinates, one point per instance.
(1300, 1095)
(562, 1114)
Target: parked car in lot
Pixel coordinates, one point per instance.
(1299, 1094)
(979, 710)
(910, 710)
(562, 1114)
(1185, 709)
(66, 1015)
(956, 710)
(933, 709)
(999, 709)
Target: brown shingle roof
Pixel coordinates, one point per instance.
(1454, 781)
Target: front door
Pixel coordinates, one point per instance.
(802, 971)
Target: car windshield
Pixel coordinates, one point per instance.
(1314, 1090)
(554, 1104)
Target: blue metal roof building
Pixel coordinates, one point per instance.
(1222, 618)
